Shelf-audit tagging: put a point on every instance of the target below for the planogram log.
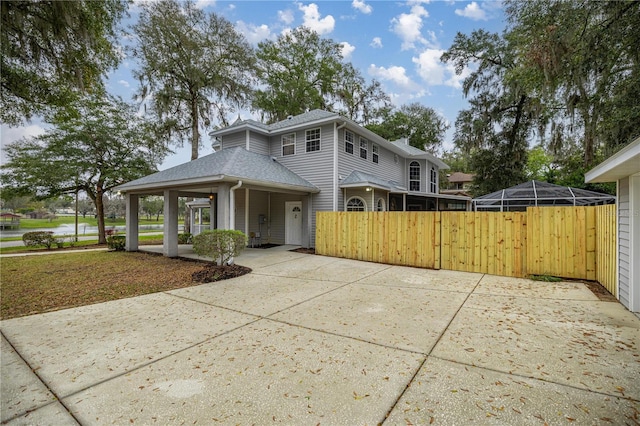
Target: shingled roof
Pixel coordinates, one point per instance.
(226, 165)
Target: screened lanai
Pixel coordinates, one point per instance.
(539, 194)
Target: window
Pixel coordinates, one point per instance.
(356, 204)
(380, 205)
(348, 142)
(434, 181)
(374, 150)
(414, 176)
(364, 147)
(289, 144)
(313, 140)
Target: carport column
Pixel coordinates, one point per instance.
(170, 244)
(223, 210)
(131, 215)
(307, 221)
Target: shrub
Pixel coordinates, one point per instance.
(185, 238)
(39, 238)
(220, 244)
(116, 242)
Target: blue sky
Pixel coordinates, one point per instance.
(398, 43)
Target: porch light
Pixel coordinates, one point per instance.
(368, 189)
(211, 196)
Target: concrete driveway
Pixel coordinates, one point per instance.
(312, 340)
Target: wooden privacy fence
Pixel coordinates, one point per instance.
(568, 242)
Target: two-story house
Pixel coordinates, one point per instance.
(271, 179)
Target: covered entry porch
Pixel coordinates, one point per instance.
(244, 191)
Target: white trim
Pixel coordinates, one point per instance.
(354, 197)
(625, 162)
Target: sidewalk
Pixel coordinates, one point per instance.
(310, 339)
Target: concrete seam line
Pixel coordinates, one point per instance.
(162, 358)
(431, 350)
(45, 384)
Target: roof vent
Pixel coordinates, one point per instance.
(290, 117)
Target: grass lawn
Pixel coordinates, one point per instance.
(37, 284)
(142, 239)
(71, 220)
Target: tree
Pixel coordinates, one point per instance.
(494, 131)
(582, 57)
(192, 66)
(361, 102)
(152, 205)
(94, 146)
(51, 50)
(422, 125)
(299, 71)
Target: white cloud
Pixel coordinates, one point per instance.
(125, 83)
(437, 73)
(395, 74)
(408, 26)
(312, 19)
(347, 50)
(285, 16)
(9, 135)
(376, 43)
(472, 11)
(254, 33)
(201, 4)
(361, 6)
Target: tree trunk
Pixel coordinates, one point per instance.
(102, 239)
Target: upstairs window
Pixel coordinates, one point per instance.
(374, 153)
(356, 204)
(348, 142)
(289, 144)
(434, 181)
(414, 176)
(364, 147)
(313, 140)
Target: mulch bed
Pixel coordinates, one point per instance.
(600, 292)
(304, 250)
(212, 273)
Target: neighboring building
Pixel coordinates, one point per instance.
(272, 179)
(9, 221)
(458, 183)
(624, 169)
(539, 194)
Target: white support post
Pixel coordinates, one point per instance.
(132, 203)
(170, 243)
(222, 209)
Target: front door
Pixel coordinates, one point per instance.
(293, 223)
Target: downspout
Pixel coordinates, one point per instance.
(336, 128)
(232, 205)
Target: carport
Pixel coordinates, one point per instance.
(238, 184)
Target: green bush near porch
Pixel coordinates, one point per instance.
(220, 244)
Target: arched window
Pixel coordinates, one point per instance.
(356, 204)
(414, 176)
(380, 205)
(434, 181)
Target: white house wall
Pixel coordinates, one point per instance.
(623, 241)
(386, 168)
(316, 167)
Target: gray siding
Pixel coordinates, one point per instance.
(259, 143)
(277, 218)
(235, 139)
(316, 167)
(258, 204)
(623, 241)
